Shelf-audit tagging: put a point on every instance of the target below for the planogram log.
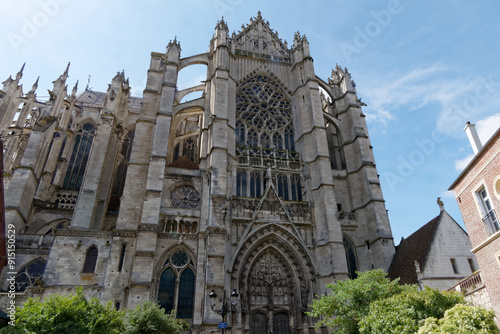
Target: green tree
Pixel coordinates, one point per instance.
(72, 314)
(349, 301)
(149, 318)
(462, 319)
(405, 313)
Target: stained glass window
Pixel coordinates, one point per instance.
(167, 290)
(29, 274)
(79, 158)
(241, 183)
(296, 188)
(186, 295)
(350, 254)
(176, 289)
(255, 184)
(90, 260)
(265, 138)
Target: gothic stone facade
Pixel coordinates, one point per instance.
(266, 185)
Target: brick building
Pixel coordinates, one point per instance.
(266, 185)
(477, 190)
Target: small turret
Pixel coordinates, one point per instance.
(221, 35)
(173, 50)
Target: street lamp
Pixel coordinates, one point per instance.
(225, 308)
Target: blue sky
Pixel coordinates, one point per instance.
(423, 68)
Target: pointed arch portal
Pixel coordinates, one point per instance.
(276, 274)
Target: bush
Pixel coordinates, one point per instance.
(405, 313)
(462, 319)
(149, 318)
(72, 314)
(349, 301)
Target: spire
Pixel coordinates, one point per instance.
(20, 73)
(65, 74)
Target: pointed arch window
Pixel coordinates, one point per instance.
(79, 157)
(296, 188)
(289, 140)
(240, 133)
(186, 134)
(177, 282)
(350, 253)
(90, 260)
(28, 275)
(282, 184)
(255, 188)
(337, 158)
(241, 183)
(121, 173)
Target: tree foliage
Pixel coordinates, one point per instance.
(349, 301)
(404, 313)
(149, 318)
(372, 304)
(462, 319)
(72, 314)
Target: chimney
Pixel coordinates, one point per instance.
(475, 142)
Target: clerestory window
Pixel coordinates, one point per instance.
(79, 158)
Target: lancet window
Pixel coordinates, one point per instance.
(121, 172)
(79, 157)
(176, 290)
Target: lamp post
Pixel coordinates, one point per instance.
(225, 308)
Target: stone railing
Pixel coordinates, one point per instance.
(268, 157)
(469, 284)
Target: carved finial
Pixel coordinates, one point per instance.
(73, 93)
(440, 204)
(20, 73)
(35, 86)
(64, 76)
(259, 15)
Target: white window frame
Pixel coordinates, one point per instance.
(488, 213)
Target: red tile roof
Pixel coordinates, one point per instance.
(414, 248)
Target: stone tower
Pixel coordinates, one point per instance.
(266, 185)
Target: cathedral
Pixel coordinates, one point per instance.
(235, 208)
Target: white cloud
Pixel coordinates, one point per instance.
(462, 163)
(487, 127)
(459, 99)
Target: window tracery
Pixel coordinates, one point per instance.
(265, 138)
(30, 274)
(185, 197)
(186, 136)
(176, 290)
